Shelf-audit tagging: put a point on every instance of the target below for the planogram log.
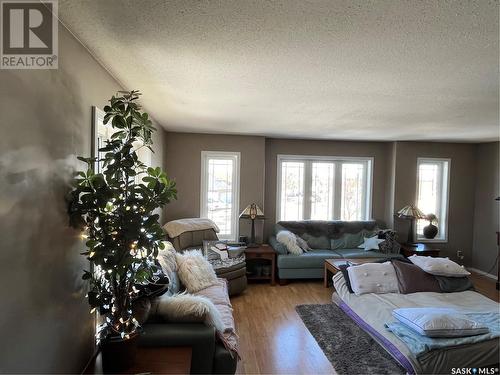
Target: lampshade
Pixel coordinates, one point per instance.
(411, 211)
(252, 211)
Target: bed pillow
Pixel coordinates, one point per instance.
(289, 239)
(373, 278)
(439, 322)
(439, 266)
(195, 272)
(412, 279)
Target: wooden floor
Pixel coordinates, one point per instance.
(273, 339)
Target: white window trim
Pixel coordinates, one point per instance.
(369, 177)
(444, 239)
(99, 130)
(236, 156)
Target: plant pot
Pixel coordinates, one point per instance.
(118, 354)
(430, 231)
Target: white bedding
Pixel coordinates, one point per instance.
(376, 310)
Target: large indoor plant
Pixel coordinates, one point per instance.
(115, 212)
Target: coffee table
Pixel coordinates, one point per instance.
(332, 266)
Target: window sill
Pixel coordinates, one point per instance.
(434, 240)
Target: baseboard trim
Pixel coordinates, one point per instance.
(482, 273)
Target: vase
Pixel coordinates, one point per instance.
(430, 231)
(118, 354)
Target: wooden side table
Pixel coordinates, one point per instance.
(421, 249)
(153, 360)
(262, 252)
(330, 268)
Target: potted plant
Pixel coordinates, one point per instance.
(431, 230)
(116, 215)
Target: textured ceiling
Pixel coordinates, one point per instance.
(373, 70)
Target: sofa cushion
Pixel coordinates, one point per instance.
(316, 242)
(330, 229)
(360, 253)
(377, 278)
(412, 279)
(216, 293)
(348, 240)
(454, 284)
(193, 239)
(311, 259)
(439, 266)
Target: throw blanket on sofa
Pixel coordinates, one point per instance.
(175, 228)
(419, 344)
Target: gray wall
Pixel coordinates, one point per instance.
(45, 122)
(394, 177)
(486, 212)
(183, 162)
(462, 190)
(377, 150)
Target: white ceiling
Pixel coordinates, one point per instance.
(367, 70)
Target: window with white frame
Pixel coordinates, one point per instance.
(103, 133)
(220, 195)
(433, 176)
(323, 188)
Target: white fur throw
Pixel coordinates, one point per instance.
(166, 258)
(188, 308)
(194, 271)
(288, 239)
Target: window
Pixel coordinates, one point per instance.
(220, 181)
(103, 133)
(323, 188)
(432, 193)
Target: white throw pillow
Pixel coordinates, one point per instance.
(439, 322)
(289, 239)
(195, 272)
(373, 278)
(439, 266)
(371, 243)
(186, 308)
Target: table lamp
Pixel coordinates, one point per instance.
(252, 211)
(411, 213)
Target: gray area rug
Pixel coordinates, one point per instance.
(349, 348)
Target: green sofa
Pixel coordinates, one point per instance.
(328, 240)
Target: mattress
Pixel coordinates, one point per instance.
(371, 311)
